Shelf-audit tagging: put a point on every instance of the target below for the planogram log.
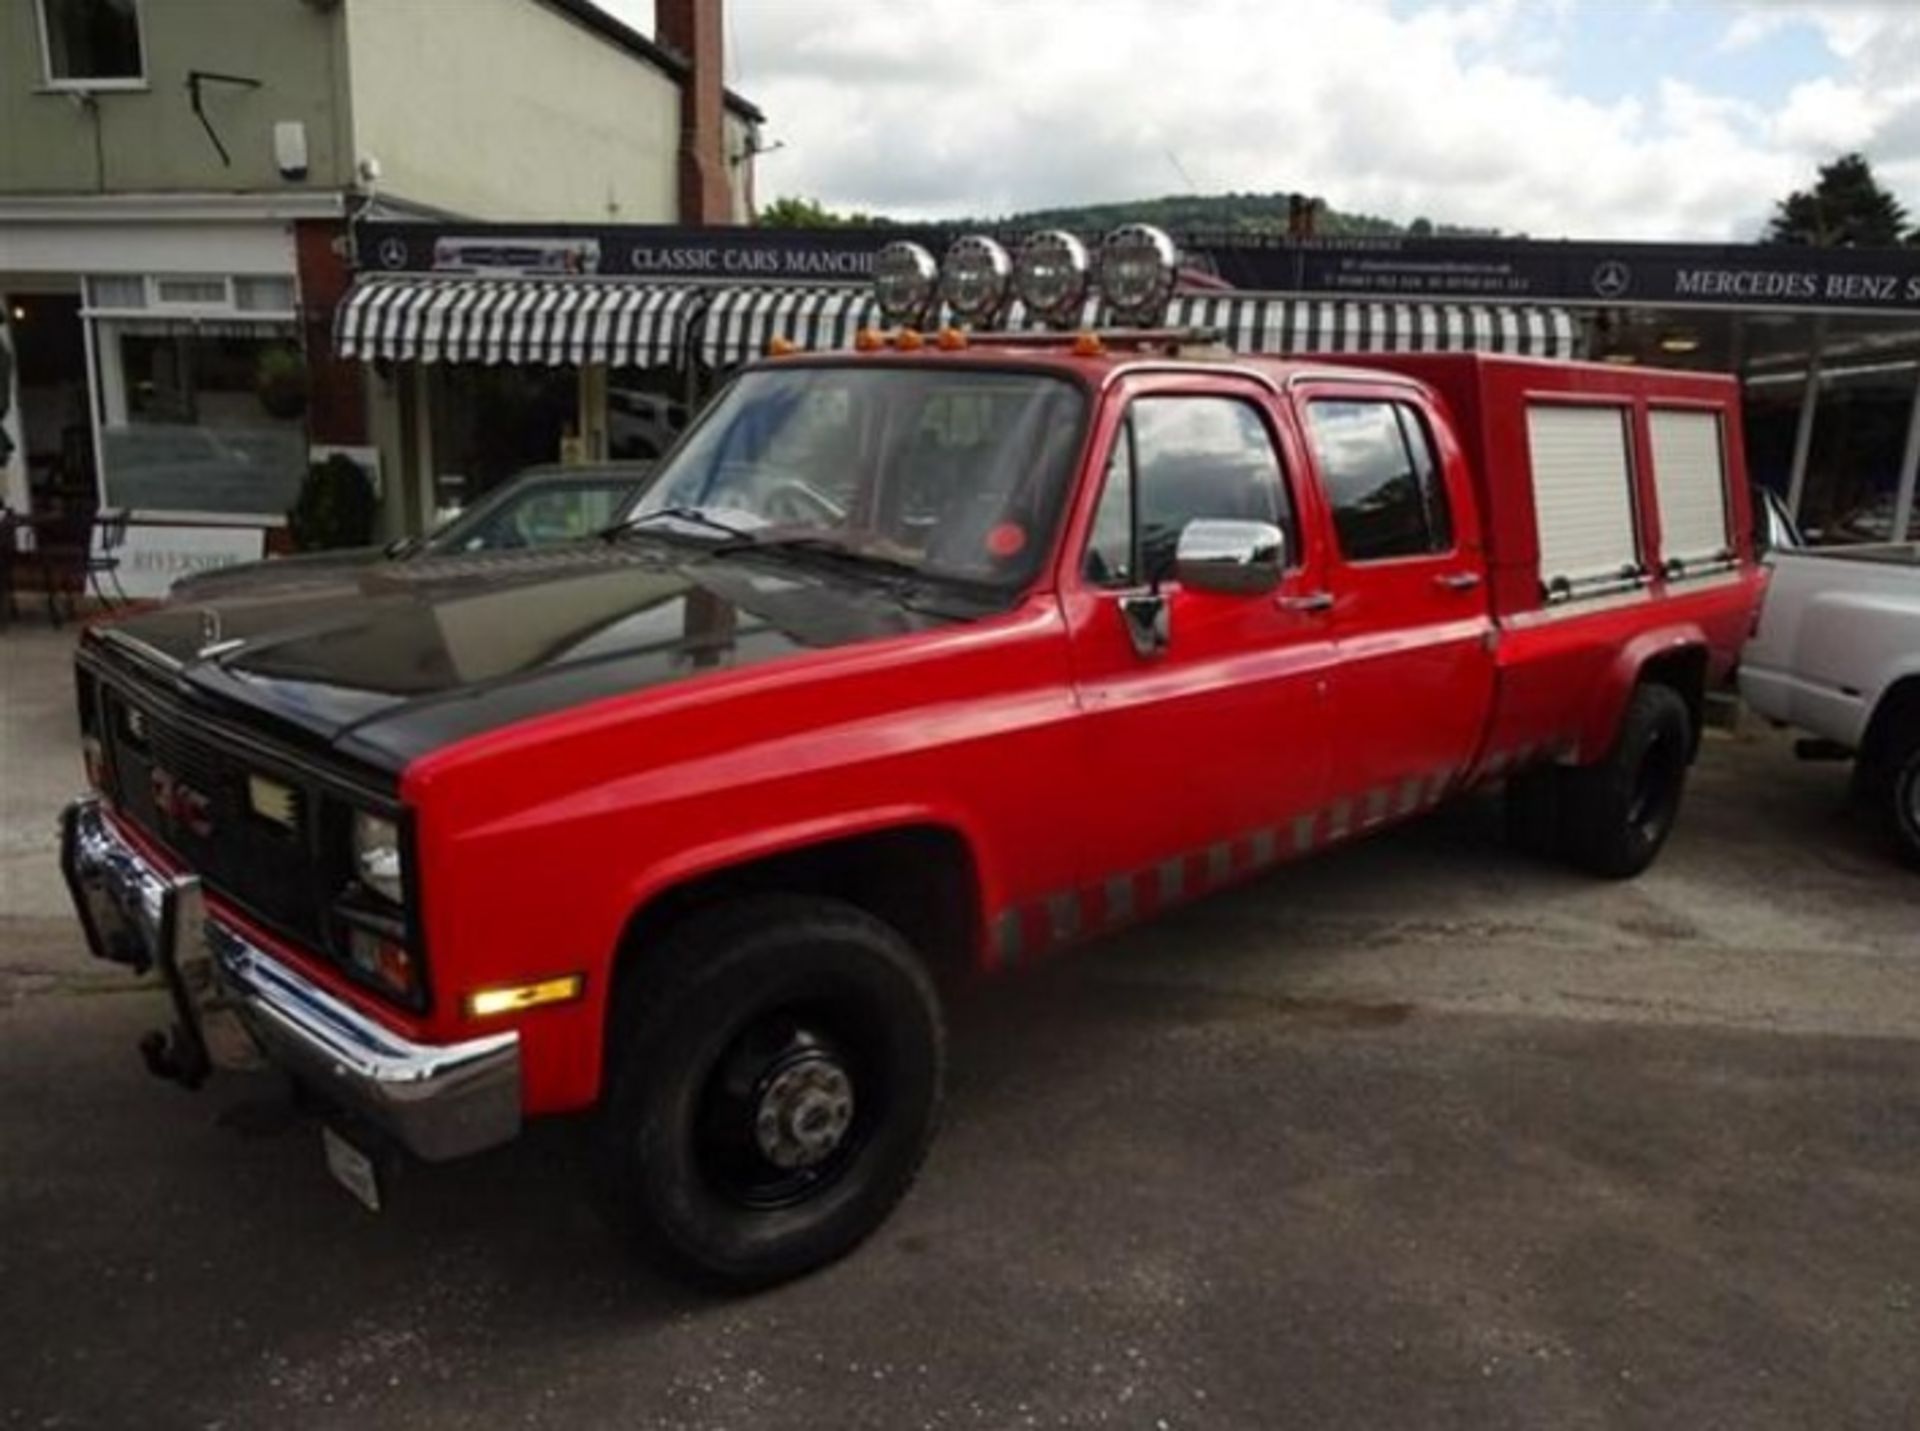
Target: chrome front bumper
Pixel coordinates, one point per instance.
(236, 1006)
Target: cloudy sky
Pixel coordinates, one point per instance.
(1584, 118)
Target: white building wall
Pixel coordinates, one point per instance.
(505, 109)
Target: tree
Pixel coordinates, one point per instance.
(1845, 208)
(793, 212)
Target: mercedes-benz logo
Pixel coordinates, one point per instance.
(393, 252)
(1612, 279)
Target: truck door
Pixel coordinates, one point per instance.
(1414, 682)
(1201, 752)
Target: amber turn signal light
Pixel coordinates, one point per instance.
(512, 998)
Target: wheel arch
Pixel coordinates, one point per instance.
(1677, 657)
(1897, 710)
(919, 874)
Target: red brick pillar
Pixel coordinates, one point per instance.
(693, 30)
(336, 390)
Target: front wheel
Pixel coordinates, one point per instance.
(776, 1082)
(1616, 815)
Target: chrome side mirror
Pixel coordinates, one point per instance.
(1233, 558)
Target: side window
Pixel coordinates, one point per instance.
(1177, 459)
(1382, 479)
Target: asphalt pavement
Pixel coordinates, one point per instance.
(1418, 1134)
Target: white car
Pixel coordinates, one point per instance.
(1837, 654)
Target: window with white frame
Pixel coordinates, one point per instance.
(92, 44)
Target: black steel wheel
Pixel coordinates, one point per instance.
(776, 1080)
(1615, 815)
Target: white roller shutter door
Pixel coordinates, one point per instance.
(1582, 498)
(1690, 476)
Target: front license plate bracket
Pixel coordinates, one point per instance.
(353, 1168)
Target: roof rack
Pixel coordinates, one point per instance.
(1109, 337)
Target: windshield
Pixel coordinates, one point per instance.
(537, 513)
(950, 473)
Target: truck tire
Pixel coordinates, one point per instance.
(775, 1083)
(1615, 815)
(1892, 786)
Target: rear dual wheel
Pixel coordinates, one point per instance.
(1611, 818)
(776, 1083)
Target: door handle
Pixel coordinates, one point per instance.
(1458, 580)
(1307, 601)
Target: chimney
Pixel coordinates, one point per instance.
(692, 29)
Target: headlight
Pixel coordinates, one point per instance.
(973, 279)
(905, 279)
(376, 856)
(1138, 264)
(1051, 277)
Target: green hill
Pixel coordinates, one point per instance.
(1177, 213)
(1212, 213)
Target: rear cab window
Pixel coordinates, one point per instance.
(1382, 478)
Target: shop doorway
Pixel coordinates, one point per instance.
(51, 423)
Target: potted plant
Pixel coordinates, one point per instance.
(336, 507)
(280, 381)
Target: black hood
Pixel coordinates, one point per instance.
(387, 661)
(275, 574)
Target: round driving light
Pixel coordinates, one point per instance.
(1051, 277)
(905, 278)
(1137, 267)
(974, 279)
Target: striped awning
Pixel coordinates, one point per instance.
(416, 318)
(1262, 323)
(739, 323)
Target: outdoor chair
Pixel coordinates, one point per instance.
(109, 534)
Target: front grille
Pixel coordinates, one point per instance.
(189, 793)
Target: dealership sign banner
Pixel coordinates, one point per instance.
(1387, 268)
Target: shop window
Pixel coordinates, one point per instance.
(491, 421)
(1853, 465)
(92, 43)
(205, 420)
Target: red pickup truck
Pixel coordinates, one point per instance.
(940, 655)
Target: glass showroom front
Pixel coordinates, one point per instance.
(1832, 403)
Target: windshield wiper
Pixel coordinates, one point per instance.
(693, 516)
(814, 542)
